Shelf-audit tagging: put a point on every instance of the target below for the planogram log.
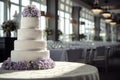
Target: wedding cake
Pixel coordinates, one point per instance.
(30, 50)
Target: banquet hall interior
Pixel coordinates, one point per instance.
(80, 31)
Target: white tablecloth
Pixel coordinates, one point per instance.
(62, 71)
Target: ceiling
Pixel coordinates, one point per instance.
(114, 5)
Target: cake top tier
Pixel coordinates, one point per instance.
(31, 11)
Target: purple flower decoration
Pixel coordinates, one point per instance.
(38, 64)
(45, 63)
(31, 11)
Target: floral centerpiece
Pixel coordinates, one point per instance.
(9, 26)
(82, 36)
(48, 31)
(31, 11)
(60, 32)
(72, 36)
(97, 38)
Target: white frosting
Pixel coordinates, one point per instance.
(29, 55)
(30, 45)
(29, 22)
(33, 34)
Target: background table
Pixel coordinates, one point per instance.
(62, 71)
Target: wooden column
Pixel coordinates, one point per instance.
(52, 9)
(116, 34)
(97, 28)
(76, 16)
(108, 32)
(6, 7)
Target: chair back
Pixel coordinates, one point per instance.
(74, 55)
(100, 51)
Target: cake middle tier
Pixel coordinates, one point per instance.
(30, 45)
(17, 56)
(34, 34)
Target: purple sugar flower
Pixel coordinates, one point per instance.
(32, 65)
(31, 11)
(25, 13)
(7, 64)
(15, 66)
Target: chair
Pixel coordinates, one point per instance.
(100, 54)
(74, 55)
(100, 57)
(87, 56)
(78, 55)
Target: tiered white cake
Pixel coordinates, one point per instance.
(29, 44)
(30, 50)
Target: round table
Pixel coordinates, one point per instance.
(62, 71)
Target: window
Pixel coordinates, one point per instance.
(25, 2)
(14, 8)
(113, 33)
(15, 1)
(1, 17)
(43, 7)
(1, 12)
(36, 4)
(86, 23)
(64, 24)
(103, 29)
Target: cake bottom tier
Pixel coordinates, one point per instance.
(37, 64)
(18, 56)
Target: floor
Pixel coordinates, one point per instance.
(113, 74)
(113, 69)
